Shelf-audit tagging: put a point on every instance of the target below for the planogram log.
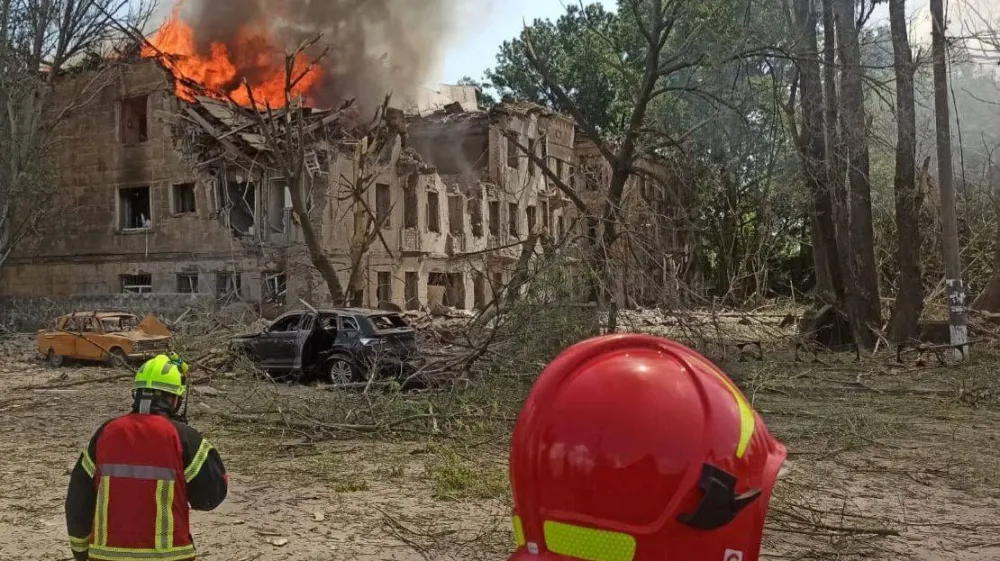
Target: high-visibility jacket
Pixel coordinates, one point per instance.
(132, 489)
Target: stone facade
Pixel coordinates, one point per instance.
(141, 218)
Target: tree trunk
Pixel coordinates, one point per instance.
(910, 298)
(826, 256)
(835, 170)
(989, 299)
(864, 306)
(313, 242)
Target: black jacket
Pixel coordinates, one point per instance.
(205, 491)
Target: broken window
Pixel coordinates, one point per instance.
(275, 287)
(530, 211)
(241, 202)
(383, 205)
(446, 289)
(410, 207)
(347, 323)
(412, 288)
(456, 220)
(433, 212)
(134, 119)
(384, 290)
(561, 227)
(476, 216)
(494, 218)
(512, 151)
(228, 285)
(133, 208)
(137, 284)
(513, 218)
(497, 284)
(590, 174)
(531, 152)
(479, 291)
(545, 214)
(559, 169)
(286, 324)
(280, 205)
(184, 199)
(187, 283)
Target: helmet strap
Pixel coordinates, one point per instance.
(719, 503)
(145, 405)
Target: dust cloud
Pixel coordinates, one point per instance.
(374, 47)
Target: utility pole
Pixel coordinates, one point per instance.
(957, 321)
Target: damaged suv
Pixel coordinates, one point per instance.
(337, 346)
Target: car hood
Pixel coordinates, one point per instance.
(245, 336)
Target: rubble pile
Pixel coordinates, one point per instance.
(731, 325)
(18, 351)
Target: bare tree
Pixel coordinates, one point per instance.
(910, 295)
(41, 44)
(286, 135)
(864, 306)
(373, 151)
(655, 22)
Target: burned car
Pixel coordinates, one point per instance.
(103, 337)
(337, 346)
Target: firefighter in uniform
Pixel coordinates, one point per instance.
(634, 448)
(132, 489)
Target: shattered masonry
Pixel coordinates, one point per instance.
(158, 207)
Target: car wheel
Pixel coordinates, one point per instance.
(55, 360)
(118, 358)
(340, 371)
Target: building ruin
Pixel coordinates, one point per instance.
(456, 199)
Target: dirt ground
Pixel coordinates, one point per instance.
(886, 463)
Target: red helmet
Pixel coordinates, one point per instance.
(635, 448)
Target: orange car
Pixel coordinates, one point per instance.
(104, 337)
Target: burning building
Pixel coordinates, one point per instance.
(157, 203)
(173, 190)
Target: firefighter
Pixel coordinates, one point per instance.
(635, 448)
(132, 489)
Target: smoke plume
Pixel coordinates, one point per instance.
(373, 47)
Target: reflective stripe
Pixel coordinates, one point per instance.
(518, 531)
(79, 545)
(137, 472)
(748, 421)
(101, 514)
(154, 386)
(199, 460)
(588, 543)
(164, 515)
(128, 554)
(87, 464)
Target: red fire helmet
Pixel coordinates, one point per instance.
(636, 448)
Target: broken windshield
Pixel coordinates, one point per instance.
(118, 324)
(386, 322)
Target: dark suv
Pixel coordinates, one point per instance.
(338, 346)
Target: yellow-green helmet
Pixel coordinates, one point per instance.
(161, 374)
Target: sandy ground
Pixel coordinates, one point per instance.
(886, 464)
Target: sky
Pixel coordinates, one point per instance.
(474, 49)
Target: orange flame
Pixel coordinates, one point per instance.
(221, 71)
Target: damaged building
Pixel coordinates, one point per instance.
(149, 211)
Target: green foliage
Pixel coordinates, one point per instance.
(578, 49)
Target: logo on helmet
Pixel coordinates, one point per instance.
(733, 555)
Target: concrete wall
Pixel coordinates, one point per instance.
(84, 248)
(29, 314)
